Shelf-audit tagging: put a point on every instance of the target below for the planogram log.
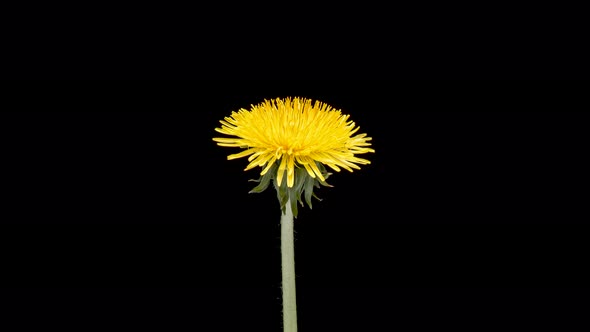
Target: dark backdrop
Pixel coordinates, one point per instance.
(121, 213)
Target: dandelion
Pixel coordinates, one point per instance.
(293, 140)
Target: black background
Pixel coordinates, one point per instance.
(121, 213)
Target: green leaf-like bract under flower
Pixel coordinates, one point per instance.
(304, 185)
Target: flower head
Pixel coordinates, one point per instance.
(296, 135)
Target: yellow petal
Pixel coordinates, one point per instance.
(281, 171)
(242, 154)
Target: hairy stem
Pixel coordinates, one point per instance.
(288, 271)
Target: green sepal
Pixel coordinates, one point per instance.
(308, 189)
(282, 193)
(264, 180)
(303, 184)
(293, 200)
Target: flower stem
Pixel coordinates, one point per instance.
(288, 271)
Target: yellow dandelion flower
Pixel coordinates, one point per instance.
(293, 138)
(294, 133)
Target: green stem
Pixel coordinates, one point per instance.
(288, 271)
